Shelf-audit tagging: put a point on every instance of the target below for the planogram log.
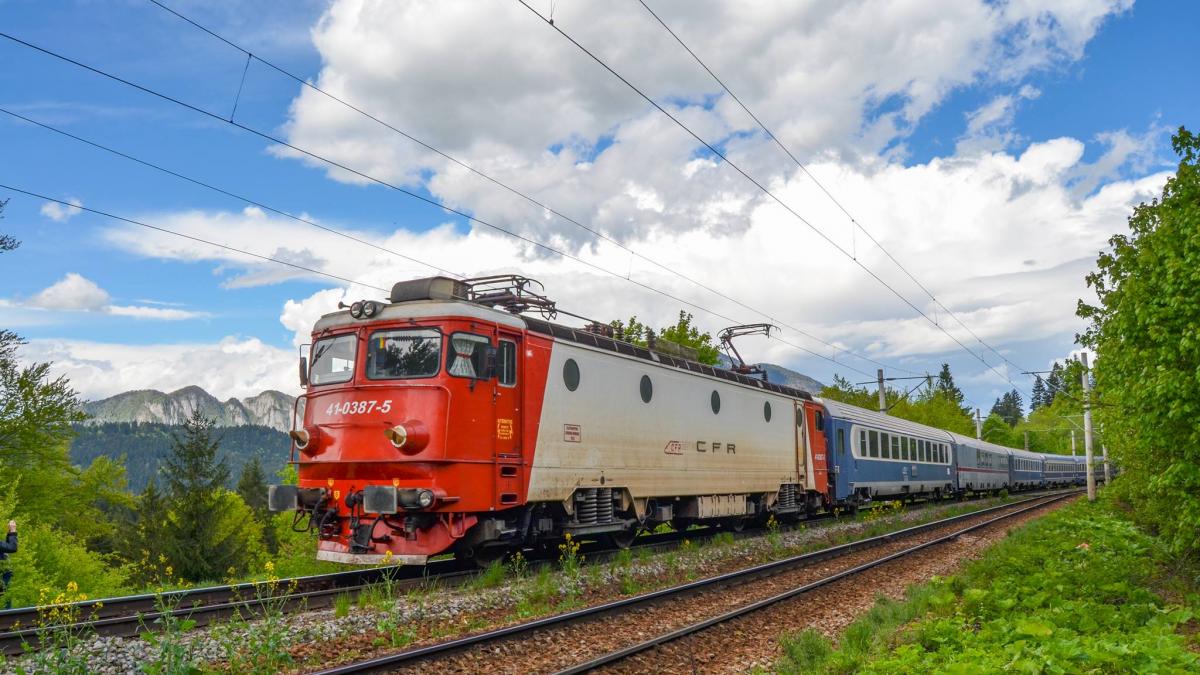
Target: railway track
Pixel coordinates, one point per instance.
(642, 623)
(129, 615)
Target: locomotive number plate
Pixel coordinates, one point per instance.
(358, 407)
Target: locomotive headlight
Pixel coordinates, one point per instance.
(356, 310)
(409, 437)
(301, 437)
(307, 441)
(425, 498)
(370, 309)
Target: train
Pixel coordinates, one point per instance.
(458, 417)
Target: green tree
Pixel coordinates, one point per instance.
(7, 243)
(252, 486)
(1010, 408)
(196, 545)
(946, 387)
(683, 332)
(996, 430)
(36, 413)
(935, 406)
(1038, 399)
(1143, 329)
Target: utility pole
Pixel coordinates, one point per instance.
(978, 425)
(882, 396)
(1087, 429)
(1104, 449)
(1026, 440)
(1072, 442)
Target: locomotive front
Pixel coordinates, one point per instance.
(410, 425)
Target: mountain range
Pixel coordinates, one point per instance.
(271, 409)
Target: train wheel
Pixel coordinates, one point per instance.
(734, 524)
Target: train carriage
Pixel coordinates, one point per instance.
(1025, 472)
(878, 455)
(980, 465)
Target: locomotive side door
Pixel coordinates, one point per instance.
(818, 479)
(506, 400)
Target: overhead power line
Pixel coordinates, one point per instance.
(201, 240)
(762, 188)
(822, 187)
(176, 174)
(414, 195)
(505, 186)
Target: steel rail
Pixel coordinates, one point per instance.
(622, 654)
(392, 661)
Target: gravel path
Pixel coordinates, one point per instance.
(560, 647)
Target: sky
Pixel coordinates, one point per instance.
(963, 163)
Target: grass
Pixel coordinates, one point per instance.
(341, 605)
(1071, 592)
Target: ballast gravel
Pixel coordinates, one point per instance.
(321, 632)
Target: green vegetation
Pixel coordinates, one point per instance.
(1144, 330)
(1071, 592)
(148, 444)
(683, 332)
(938, 402)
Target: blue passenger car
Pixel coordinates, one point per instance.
(880, 456)
(1025, 470)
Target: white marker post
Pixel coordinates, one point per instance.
(1087, 429)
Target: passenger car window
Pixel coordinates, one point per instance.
(466, 354)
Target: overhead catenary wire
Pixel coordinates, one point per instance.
(762, 188)
(201, 240)
(853, 220)
(523, 195)
(409, 193)
(214, 188)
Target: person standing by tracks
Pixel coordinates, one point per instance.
(9, 545)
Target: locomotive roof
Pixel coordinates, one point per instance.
(882, 421)
(590, 339)
(421, 309)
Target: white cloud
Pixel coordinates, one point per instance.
(72, 292)
(1004, 240)
(235, 366)
(492, 84)
(76, 293)
(61, 213)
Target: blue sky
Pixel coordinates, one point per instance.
(1132, 76)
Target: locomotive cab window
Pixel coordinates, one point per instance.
(333, 360)
(403, 354)
(506, 363)
(467, 351)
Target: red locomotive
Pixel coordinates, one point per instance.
(446, 420)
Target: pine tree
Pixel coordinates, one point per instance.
(1039, 394)
(252, 486)
(146, 534)
(945, 385)
(1010, 408)
(1054, 383)
(196, 476)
